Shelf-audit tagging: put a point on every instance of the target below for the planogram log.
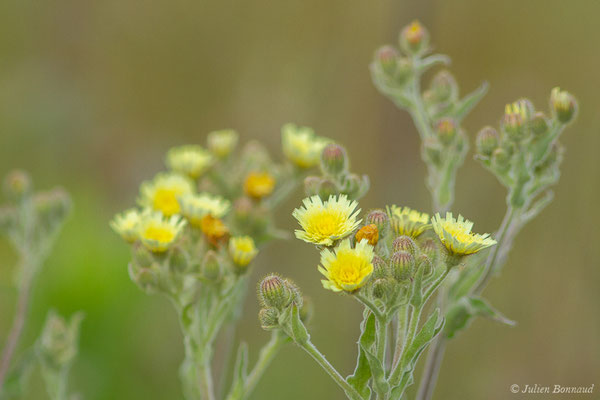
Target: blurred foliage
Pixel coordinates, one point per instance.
(93, 93)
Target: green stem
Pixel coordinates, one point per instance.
(333, 373)
(370, 305)
(205, 381)
(401, 332)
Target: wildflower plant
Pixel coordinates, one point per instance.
(524, 154)
(32, 220)
(199, 226)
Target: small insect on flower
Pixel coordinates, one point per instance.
(301, 146)
(221, 143)
(126, 224)
(158, 232)
(196, 206)
(214, 229)
(162, 193)
(368, 232)
(347, 269)
(242, 250)
(190, 160)
(409, 222)
(456, 236)
(259, 184)
(325, 222)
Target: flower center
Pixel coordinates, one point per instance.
(159, 233)
(165, 200)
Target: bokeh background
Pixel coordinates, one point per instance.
(92, 93)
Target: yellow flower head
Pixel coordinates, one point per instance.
(221, 143)
(214, 229)
(347, 269)
(259, 184)
(409, 222)
(126, 224)
(158, 232)
(190, 160)
(196, 206)
(370, 233)
(301, 145)
(325, 222)
(162, 193)
(242, 250)
(456, 236)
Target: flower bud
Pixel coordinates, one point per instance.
(539, 124)
(297, 298)
(500, 159)
(222, 143)
(312, 184)
(443, 88)
(433, 150)
(402, 263)
(368, 232)
(429, 247)
(307, 310)
(563, 104)
(380, 268)
(380, 219)
(382, 287)
(146, 277)
(387, 59)
(274, 292)
(516, 116)
(268, 318)
(178, 260)
(211, 267)
(17, 185)
(414, 38)
(487, 141)
(404, 243)
(334, 160)
(52, 207)
(423, 261)
(259, 184)
(446, 130)
(57, 346)
(327, 188)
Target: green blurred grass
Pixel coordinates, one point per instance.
(93, 93)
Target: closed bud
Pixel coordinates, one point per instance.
(312, 184)
(487, 141)
(53, 206)
(327, 188)
(382, 287)
(516, 116)
(414, 39)
(307, 310)
(370, 233)
(297, 298)
(274, 292)
(380, 268)
(404, 243)
(57, 346)
(142, 256)
(446, 130)
(500, 159)
(402, 263)
(443, 88)
(268, 318)
(539, 124)
(17, 185)
(334, 160)
(146, 277)
(178, 260)
(211, 267)
(429, 247)
(387, 59)
(563, 104)
(424, 262)
(223, 142)
(380, 219)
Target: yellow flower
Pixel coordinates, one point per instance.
(126, 224)
(190, 160)
(409, 222)
(158, 232)
(370, 233)
(196, 206)
(259, 184)
(221, 143)
(347, 269)
(301, 145)
(456, 236)
(162, 193)
(242, 250)
(325, 222)
(214, 229)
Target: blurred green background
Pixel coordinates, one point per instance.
(92, 93)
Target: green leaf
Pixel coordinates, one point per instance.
(377, 371)
(466, 104)
(433, 60)
(299, 331)
(240, 372)
(416, 297)
(462, 313)
(362, 373)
